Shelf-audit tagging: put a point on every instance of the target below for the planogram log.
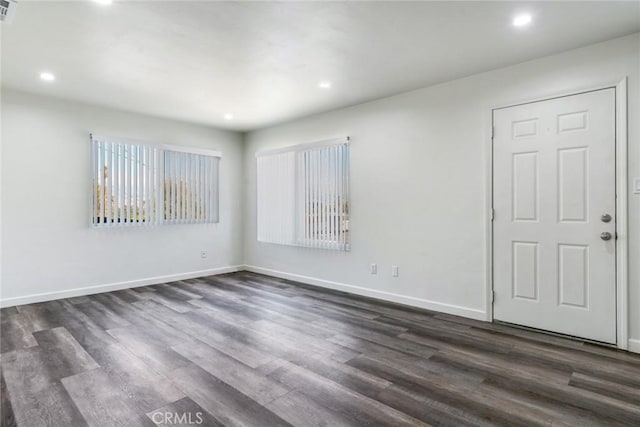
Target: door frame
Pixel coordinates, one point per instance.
(622, 241)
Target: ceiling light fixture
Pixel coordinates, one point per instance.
(104, 2)
(47, 77)
(325, 84)
(228, 116)
(522, 20)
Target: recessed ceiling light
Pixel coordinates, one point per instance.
(325, 84)
(228, 116)
(105, 2)
(47, 77)
(522, 20)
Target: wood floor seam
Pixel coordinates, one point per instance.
(252, 350)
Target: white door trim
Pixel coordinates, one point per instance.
(622, 242)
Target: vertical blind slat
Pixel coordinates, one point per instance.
(94, 183)
(149, 186)
(208, 190)
(169, 184)
(216, 189)
(317, 198)
(206, 193)
(148, 198)
(97, 188)
(336, 197)
(176, 180)
(200, 192)
(98, 182)
(305, 197)
(187, 186)
(107, 187)
(280, 180)
(321, 194)
(192, 182)
(169, 187)
(203, 196)
(126, 193)
(117, 171)
(114, 184)
(143, 185)
(332, 186)
(213, 180)
(279, 177)
(101, 172)
(314, 197)
(139, 166)
(183, 187)
(176, 162)
(136, 167)
(142, 182)
(118, 178)
(145, 174)
(340, 195)
(141, 193)
(320, 198)
(198, 189)
(325, 197)
(185, 193)
(174, 190)
(196, 192)
(159, 181)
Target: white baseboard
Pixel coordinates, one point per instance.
(48, 296)
(634, 346)
(386, 296)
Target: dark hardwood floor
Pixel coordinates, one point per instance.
(245, 349)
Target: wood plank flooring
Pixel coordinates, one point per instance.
(250, 350)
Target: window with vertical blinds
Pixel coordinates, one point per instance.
(303, 195)
(144, 184)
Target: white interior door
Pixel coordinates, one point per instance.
(553, 187)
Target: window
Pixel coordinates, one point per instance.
(303, 195)
(141, 184)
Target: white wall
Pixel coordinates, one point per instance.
(418, 177)
(48, 246)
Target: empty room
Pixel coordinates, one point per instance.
(319, 213)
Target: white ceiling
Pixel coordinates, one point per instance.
(262, 61)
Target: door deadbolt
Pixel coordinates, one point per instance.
(605, 236)
(605, 218)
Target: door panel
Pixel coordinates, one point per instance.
(525, 187)
(554, 177)
(573, 272)
(525, 270)
(573, 191)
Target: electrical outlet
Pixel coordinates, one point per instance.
(395, 271)
(203, 254)
(636, 185)
(374, 268)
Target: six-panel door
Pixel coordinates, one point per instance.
(553, 184)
